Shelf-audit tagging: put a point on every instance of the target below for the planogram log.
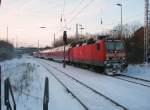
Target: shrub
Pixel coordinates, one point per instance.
(6, 50)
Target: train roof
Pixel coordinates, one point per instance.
(61, 48)
(111, 40)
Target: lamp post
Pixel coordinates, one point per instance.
(120, 5)
(7, 34)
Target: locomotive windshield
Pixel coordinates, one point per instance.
(114, 45)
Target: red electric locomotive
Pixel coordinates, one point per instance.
(108, 55)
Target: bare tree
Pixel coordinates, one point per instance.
(128, 30)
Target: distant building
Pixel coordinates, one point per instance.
(139, 35)
(135, 47)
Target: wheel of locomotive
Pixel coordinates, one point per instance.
(109, 71)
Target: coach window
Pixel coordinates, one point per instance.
(97, 46)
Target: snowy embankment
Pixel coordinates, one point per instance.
(22, 75)
(27, 78)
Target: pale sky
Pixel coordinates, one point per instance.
(25, 17)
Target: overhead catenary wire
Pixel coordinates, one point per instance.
(132, 18)
(76, 8)
(62, 17)
(77, 14)
(63, 12)
(126, 20)
(81, 10)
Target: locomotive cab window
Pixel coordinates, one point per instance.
(115, 45)
(97, 46)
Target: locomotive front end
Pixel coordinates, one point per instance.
(115, 61)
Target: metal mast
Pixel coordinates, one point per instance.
(147, 32)
(77, 33)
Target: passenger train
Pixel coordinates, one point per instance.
(106, 54)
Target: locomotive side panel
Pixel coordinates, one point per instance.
(91, 54)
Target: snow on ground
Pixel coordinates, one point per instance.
(22, 75)
(27, 78)
(132, 96)
(139, 71)
(91, 100)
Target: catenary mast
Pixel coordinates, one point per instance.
(147, 32)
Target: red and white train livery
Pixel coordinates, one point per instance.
(109, 55)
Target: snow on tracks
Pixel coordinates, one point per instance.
(132, 96)
(134, 80)
(92, 99)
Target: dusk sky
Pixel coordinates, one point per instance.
(25, 17)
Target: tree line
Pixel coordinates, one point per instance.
(6, 50)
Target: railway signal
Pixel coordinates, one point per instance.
(65, 37)
(65, 43)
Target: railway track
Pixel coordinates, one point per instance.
(130, 79)
(134, 80)
(81, 83)
(67, 89)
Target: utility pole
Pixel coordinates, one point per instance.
(147, 32)
(38, 45)
(0, 88)
(77, 34)
(7, 34)
(54, 39)
(121, 22)
(16, 42)
(120, 5)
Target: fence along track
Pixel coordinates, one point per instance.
(95, 91)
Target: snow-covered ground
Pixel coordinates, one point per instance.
(15, 70)
(139, 71)
(132, 96)
(27, 77)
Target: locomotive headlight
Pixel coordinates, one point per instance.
(123, 58)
